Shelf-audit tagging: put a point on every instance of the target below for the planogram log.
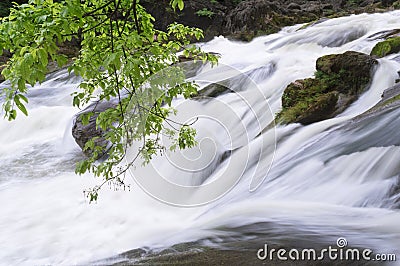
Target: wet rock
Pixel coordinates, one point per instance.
(83, 133)
(386, 47)
(190, 66)
(384, 34)
(390, 100)
(390, 103)
(387, 3)
(327, 6)
(390, 43)
(213, 90)
(351, 70)
(243, 81)
(390, 93)
(339, 80)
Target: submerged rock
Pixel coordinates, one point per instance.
(390, 101)
(213, 90)
(339, 80)
(241, 81)
(384, 34)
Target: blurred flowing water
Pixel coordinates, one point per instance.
(335, 178)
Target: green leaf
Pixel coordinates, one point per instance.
(23, 98)
(181, 5)
(43, 57)
(86, 118)
(20, 105)
(21, 85)
(12, 115)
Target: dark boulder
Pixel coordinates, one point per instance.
(82, 133)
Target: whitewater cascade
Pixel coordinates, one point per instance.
(325, 180)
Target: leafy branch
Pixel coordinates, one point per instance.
(121, 57)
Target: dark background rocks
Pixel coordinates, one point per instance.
(243, 19)
(247, 19)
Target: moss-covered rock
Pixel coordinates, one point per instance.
(386, 47)
(338, 82)
(348, 73)
(307, 101)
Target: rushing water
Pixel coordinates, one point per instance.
(330, 179)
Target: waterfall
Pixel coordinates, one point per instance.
(335, 178)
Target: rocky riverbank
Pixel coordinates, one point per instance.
(247, 19)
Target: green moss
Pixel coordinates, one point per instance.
(309, 110)
(302, 91)
(292, 114)
(331, 79)
(298, 97)
(392, 100)
(389, 46)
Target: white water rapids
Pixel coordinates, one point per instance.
(327, 180)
